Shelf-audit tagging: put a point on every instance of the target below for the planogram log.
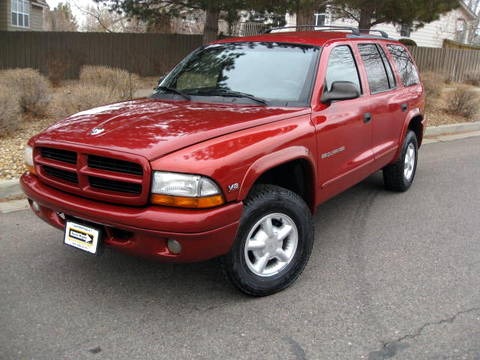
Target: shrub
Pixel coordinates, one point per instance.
(432, 83)
(10, 113)
(80, 97)
(117, 80)
(407, 42)
(463, 101)
(473, 78)
(32, 88)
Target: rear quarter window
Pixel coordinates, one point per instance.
(404, 64)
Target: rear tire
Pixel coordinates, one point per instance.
(273, 244)
(399, 176)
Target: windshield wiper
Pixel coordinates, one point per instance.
(175, 91)
(232, 93)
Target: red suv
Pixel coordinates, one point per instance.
(233, 152)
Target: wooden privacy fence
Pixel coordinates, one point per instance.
(455, 64)
(67, 52)
(64, 53)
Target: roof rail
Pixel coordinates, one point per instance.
(354, 31)
(368, 31)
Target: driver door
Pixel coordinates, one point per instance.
(343, 128)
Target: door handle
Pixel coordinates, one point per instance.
(367, 117)
(404, 107)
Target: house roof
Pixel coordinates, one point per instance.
(40, 3)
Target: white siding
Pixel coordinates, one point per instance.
(430, 35)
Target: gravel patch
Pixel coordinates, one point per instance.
(11, 156)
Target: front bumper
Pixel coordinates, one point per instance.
(203, 234)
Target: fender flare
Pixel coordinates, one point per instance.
(411, 114)
(272, 160)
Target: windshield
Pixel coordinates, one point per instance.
(254, 72)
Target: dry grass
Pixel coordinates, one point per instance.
(116, 80)
(473, 78)
(74, 98)
(32, 88)
(463, 101)
(9, 111)
(433, 84)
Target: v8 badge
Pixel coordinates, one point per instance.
(233, 187)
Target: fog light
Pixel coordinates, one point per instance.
(174, 246)
(35, 206)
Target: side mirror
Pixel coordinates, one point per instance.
(341, 90)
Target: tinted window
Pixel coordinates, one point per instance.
(388, 68)
(342, 67)
(405, 65)
(279, 73)
(376, 74)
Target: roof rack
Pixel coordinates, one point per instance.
(354, 31)
(368, 31)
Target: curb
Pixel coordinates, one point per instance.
(10, 189)
(449, 129)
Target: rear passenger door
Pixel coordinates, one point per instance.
(388, 107)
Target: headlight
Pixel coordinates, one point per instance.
(184, 190)
(28, 158)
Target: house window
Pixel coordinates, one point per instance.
(20, 13)
(320, 19)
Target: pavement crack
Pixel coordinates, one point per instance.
(389, 349)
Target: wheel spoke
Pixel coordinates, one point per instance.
(267, 226)
(282, 255)
(256, 245)
(284, 231)
(261, 263)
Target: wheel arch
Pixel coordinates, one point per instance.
(295, 161)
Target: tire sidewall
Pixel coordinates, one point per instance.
(410, 138)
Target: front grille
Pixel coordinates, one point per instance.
(100, 177)
(64, 175)
(59, 155)
(113, 185)
(104, 163)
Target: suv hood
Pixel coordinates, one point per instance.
(153, 127)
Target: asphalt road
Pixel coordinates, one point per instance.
(391, 276)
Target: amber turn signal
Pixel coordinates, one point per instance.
(187, 202)
(31, 169)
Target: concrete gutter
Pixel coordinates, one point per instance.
(10, 189)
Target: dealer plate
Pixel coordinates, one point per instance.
(82, 237)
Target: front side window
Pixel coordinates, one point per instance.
(405, 65)
(375, 68)
(342, 67)
(20, 10)
(277, 73)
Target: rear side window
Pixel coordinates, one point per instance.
(375, 68)
(342, 67)
(405, 65)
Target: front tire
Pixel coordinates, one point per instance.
(399, 176)
(273, 244)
